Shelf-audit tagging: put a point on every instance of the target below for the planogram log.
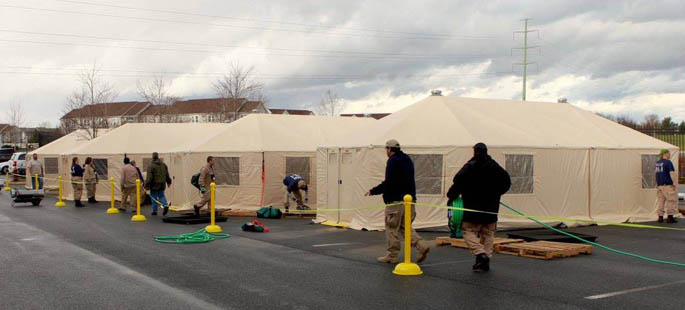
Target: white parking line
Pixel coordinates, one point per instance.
(331, 244)
(639, 289)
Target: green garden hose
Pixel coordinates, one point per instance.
(595, 243)
(200, 236)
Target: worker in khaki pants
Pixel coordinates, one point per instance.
(91, 179)
(129, 175)
(77, 181)
(667, 194)
(481, 183)
(399, 181)
(206, 179)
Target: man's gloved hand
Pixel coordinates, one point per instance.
(449, 202)
(203, 190)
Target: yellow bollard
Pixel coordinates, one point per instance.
(35, 181)
(213, 227)
(138, 217)
(407, 268)
(59, 203)
(7, 183)
(112, 209)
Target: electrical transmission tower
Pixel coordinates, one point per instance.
(525, 49)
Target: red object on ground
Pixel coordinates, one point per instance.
(257, 223)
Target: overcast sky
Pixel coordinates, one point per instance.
(616, 57)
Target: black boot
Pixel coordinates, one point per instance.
(661, 219)
(197, 210)
(671, 219)
(92, 200)
(78, 204)
(482, 263)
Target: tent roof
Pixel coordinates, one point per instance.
(454, 121)
(145, 138)
(274, 132)
(66, 143)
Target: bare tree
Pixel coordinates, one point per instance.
(86, 103)
(239, 83)
(330, 104)
(651, 122)
(157, 93)
(16, 118)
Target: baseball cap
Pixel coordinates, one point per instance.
(664, 151)
(392, 143)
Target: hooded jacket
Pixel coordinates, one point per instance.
(157, 176)
(399, 179)
(481, 183)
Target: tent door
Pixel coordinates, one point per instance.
(333, 181)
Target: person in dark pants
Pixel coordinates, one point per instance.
(157, 181)
(481, 183)
(399, 181)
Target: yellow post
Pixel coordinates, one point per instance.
(213, 227)
(112, 209)
(138, 217)
(407, 268)
(60, 203)
(35, 180)
(7, 183)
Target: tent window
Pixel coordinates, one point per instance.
(227, 170)
(427, 173)
(51, 165)
(100, 165)
(520, 169)
(649, 170)
(299, 166)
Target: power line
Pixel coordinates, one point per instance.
(232, 26)
(525, 49)
(266, 21)
(239, 46)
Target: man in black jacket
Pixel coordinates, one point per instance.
(481, 183)
(399, 181)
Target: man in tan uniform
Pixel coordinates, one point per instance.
(667, 193)
(91, 179)
(129, 175)
(35, 167)
(206, 179)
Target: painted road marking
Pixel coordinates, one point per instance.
(331, 244)
(639, 289)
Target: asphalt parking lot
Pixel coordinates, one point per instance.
(72, 258)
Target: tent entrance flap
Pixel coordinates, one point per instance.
(334, 181)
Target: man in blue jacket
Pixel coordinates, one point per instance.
(294, 185)
(667, 194)
(399, 181)
(481, 183)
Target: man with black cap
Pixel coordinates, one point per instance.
(481, 183)
(667, 194)
(399, 181)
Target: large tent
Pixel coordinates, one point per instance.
(50, 154)
(254, 154)
(137, 141)
(564, 161)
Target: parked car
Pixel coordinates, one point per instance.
(6, 153)
(17, 164)
(5, 167)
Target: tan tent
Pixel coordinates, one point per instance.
(50, 154)
(138, 141)
(564, 161)
(256, 152)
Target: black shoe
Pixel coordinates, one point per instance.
(92, 200)
(671, 219)
(661, 219)
(78, 204)
(153, 213)
(197, 210)
(482, 263)
(166, 210)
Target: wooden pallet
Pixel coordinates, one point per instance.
(544, 249)
(239, 212)
(460, 243)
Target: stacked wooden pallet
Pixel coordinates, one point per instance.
(240, 212)
(461, 243)
(544, 249)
